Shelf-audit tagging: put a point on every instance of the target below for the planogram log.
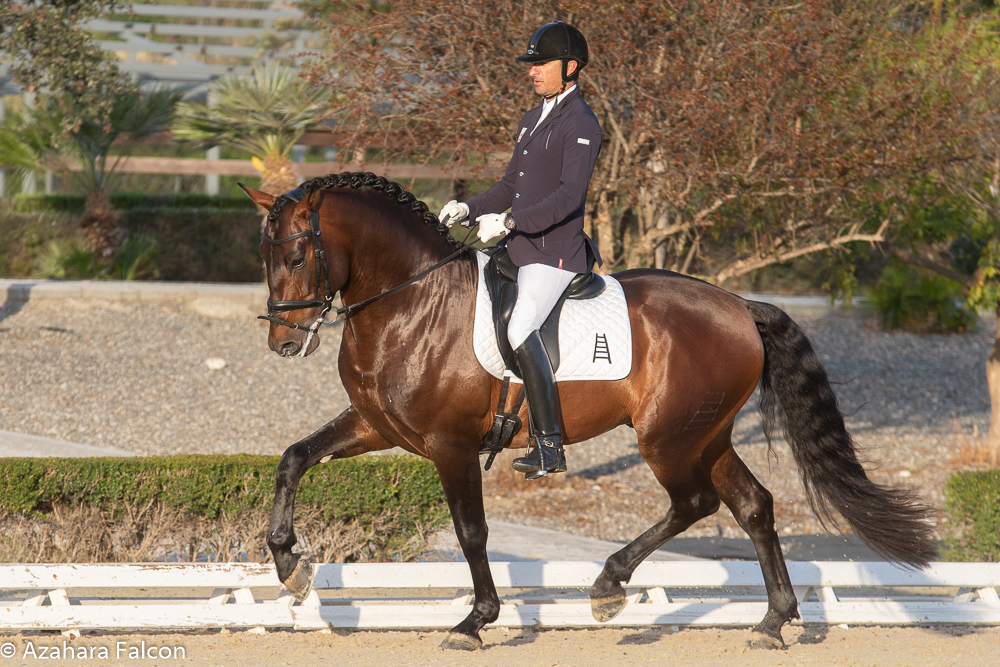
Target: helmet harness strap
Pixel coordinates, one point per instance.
(565, 79)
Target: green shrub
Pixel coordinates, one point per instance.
(972, 500)
(205, 245)
(914, 300)
(366, 508)
(25, 236)
(124, 201)
(210, 484)
(68, 260)
(202, 245)
(136, 258)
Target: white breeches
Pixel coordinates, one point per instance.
(539, 287)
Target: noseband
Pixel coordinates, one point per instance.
(323, 273)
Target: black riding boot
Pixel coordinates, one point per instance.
(543, 402)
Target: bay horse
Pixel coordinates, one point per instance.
(408, 365)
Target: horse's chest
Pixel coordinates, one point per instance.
(396, 378)
(379, 387)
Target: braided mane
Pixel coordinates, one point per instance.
(356, 180)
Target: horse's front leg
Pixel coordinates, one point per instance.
(347, 435)
(463, 486)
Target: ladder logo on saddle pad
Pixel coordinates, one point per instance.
(588, 330)
(601, 350)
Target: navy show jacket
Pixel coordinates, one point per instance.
(545, 186)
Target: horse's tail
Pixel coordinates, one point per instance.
(889, 520)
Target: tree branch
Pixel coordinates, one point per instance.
(932, 266)
(745, 266)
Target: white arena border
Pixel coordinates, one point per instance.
(437, 595)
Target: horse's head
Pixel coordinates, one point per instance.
(333, 234)
(302, 268)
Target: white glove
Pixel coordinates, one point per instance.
(491, 225)
(454, 211)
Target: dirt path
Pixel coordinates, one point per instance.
(620, 647)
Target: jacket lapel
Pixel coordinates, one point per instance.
(552, 116)
(529, 119)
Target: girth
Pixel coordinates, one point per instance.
(501, 283)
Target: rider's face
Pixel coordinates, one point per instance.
(547, 77)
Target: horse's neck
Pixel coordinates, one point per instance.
(387, 254)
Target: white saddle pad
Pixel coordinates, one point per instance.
(595, 338)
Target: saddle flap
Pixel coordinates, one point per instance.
(501, 281)
(595, 341)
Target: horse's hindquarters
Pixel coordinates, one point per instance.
(697, 357)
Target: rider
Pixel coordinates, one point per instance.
(545, 188)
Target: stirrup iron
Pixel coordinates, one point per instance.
(547, 456)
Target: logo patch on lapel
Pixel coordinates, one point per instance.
(523, 130)
(581, 140)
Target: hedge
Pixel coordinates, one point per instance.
(123, 201)
(371, 508)
(208, 485)
(972, 499)
(204, 245)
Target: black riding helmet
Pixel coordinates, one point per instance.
(557, 41)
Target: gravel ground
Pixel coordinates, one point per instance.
(135, 377)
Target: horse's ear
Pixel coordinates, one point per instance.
(262, 199)
(312, 200)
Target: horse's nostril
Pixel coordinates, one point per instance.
(289, 349)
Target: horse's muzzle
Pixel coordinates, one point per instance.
(291, 345)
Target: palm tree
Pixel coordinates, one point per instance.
(263, 114)
(36, 140)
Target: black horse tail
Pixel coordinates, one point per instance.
(889, 520)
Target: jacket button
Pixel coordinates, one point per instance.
(517, 196)
(525, 152)
(520, 173)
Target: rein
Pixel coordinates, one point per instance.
(361, 304)
(323, 272)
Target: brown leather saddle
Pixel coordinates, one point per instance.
(501, 283)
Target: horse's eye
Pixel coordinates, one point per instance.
(297, 263)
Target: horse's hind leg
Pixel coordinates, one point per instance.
(692, 497)
(753, 507)
(347, 435)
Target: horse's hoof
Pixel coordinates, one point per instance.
(299, 582)
(760, 640)
(457, 641)
(604, 609)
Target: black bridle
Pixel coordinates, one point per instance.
(323, 274)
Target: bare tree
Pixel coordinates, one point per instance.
(737, 134)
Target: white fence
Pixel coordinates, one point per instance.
(437, 595)
(191, 45)
(169, 43)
